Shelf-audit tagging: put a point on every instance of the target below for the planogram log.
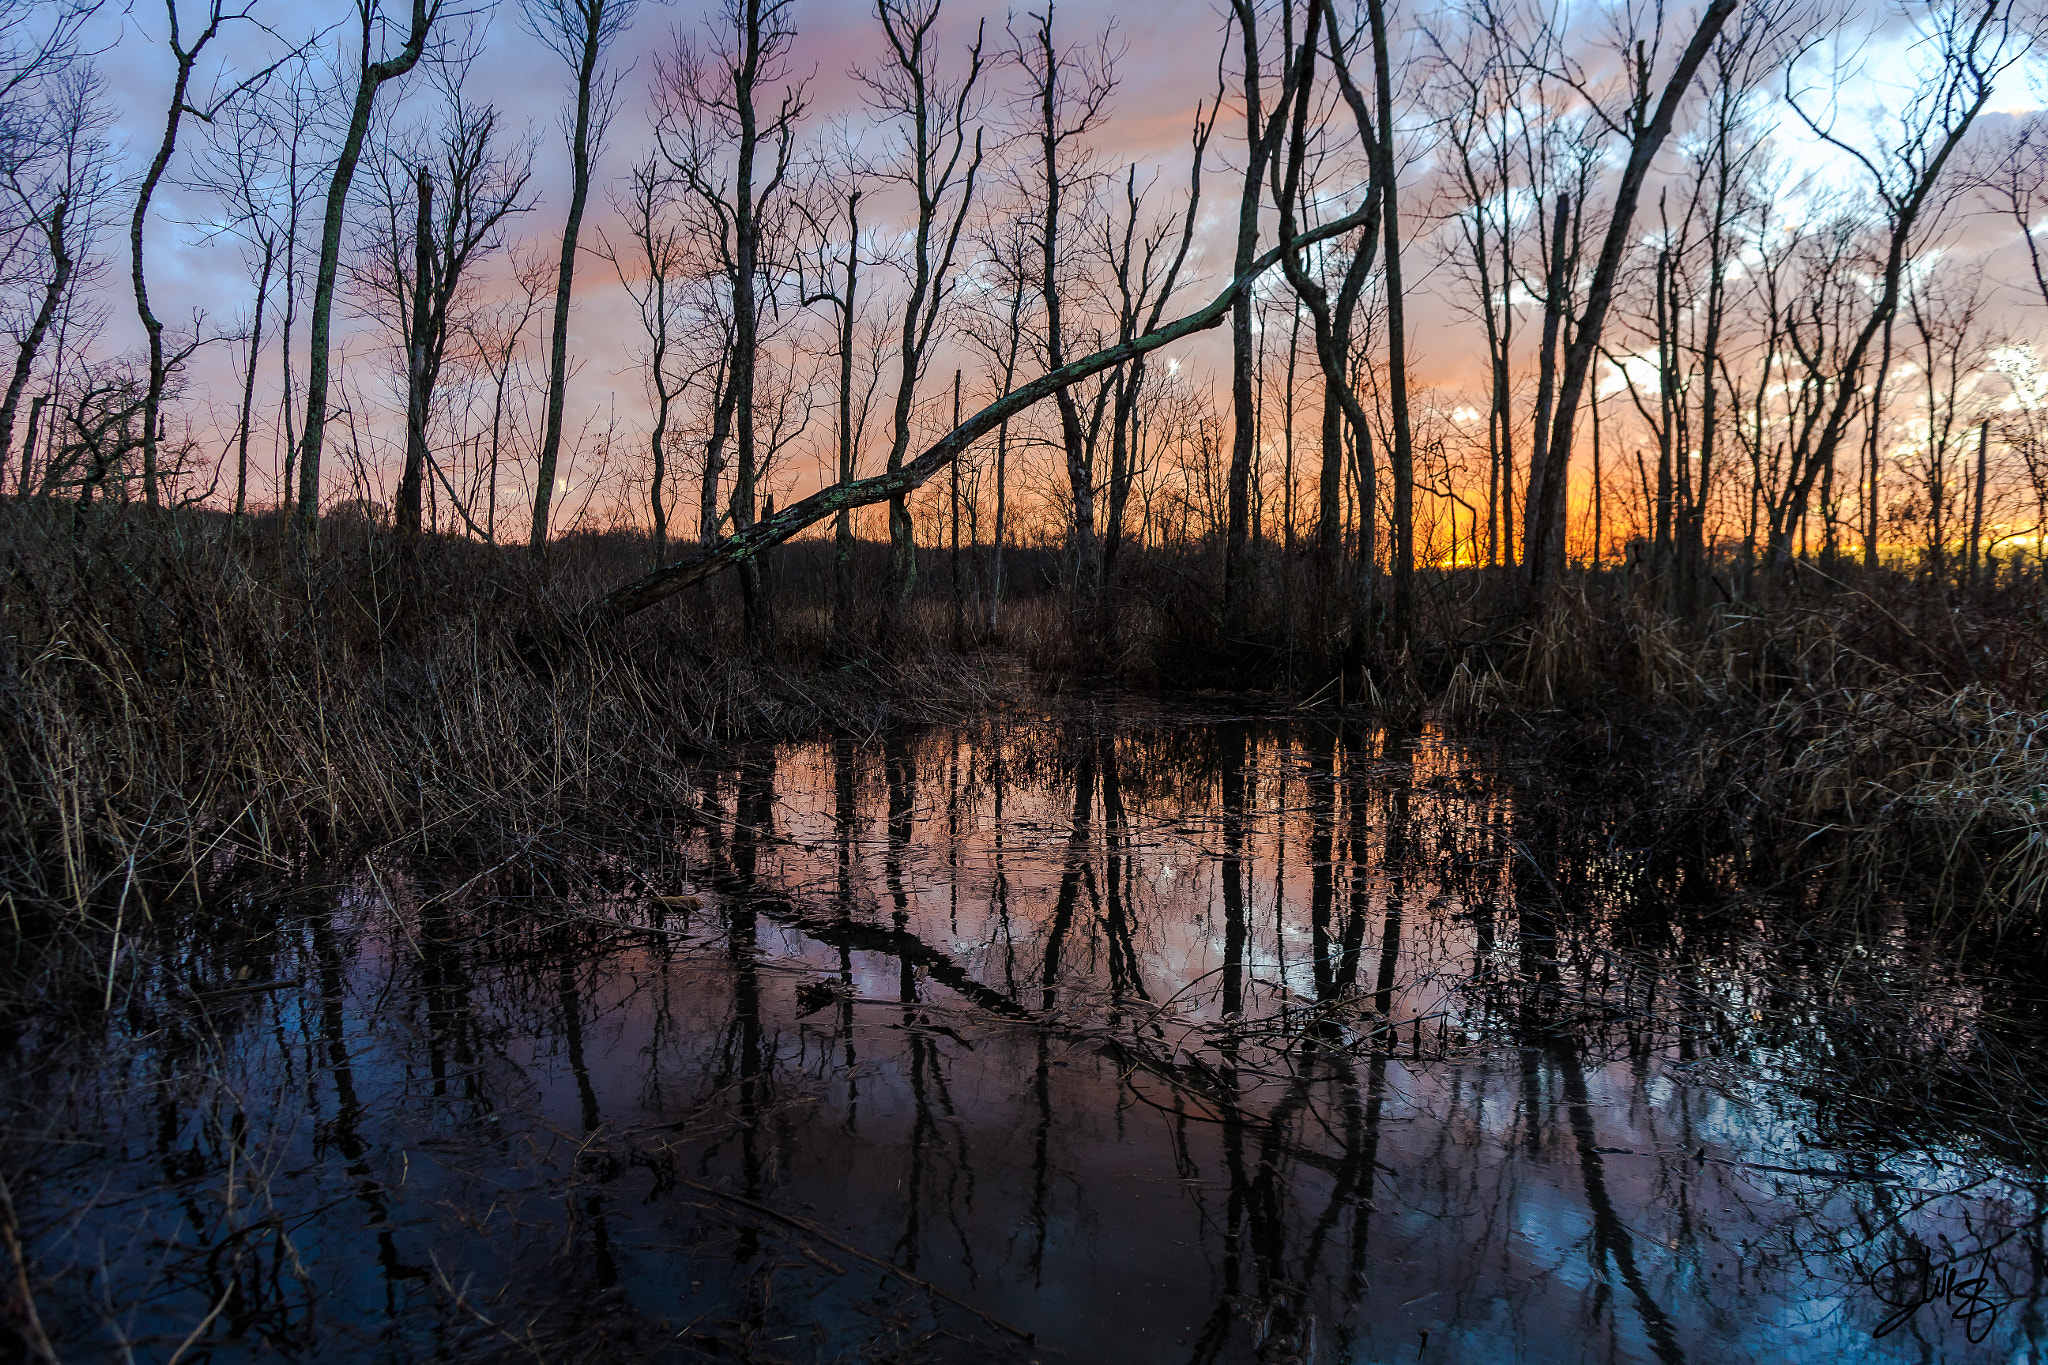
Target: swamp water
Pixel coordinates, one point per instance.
(1115, 1037)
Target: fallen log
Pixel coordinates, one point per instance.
(769, 532)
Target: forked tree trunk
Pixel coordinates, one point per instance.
(1543, 550)
(319, 362)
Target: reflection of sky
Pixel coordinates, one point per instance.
(518, 1110)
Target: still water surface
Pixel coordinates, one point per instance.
(1114, 1036)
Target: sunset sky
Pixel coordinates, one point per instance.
(1167, 63)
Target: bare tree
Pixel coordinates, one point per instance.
(2009, 171)
(494, 337)
(62, 194)
(39, 55)
(1068, 94)
(711, 130)
(745, 545)
(1949, 340)
(289, 117)
(254, 170)
(1334, 316)
(933, 121)
(579, 32)
(652, 272)
(1724, 165)
(1144, 276)
(1006, 251)
(186, 56)
(419, 274)
(834, 268)
(1264, 131)
(1401, 451)
(1970, 44)
(1643, 122)
(371, 76)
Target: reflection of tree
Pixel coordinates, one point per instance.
(900, 774)
(1328, 1175)
(1232, 759)
(1611, 1238)
(930, 1099)
(742, 1054)
(999, 781)
(449, 1016)
(1119, 873)
(1398, 837)
(1041, 1158)
(349, 1110)
(1072, 871)
(845, 825)
(572, 1039)
(1322, 796)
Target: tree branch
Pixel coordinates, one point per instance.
(772, 531)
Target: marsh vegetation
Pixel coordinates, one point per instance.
(1415, 723)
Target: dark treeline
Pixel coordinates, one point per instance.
(1708, 294)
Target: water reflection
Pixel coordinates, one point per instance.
(1186, 1041)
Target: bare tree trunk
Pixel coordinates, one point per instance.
(28, 445)
(1544, 550)
(249, 378)
(1015, 339)
(746, 344)
(152, 405)
(1262, 137)
(1693, 540)
(933, 124)
(1402, 456)
(284, 340)
(842, 529)
(418, 385)
(1875, 481)
(660, 254)
(1599, 491)
(658, 453)
(25, 357)
(1977, 513)
(1080, 467)
(708, 516)
(1540, 470)
(578, 30)
(959, 600)
(1667, 314)
(373, 75)
(1334, 320)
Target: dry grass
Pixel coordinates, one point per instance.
(184, 708)
(1893, 729)
(1914, 784)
